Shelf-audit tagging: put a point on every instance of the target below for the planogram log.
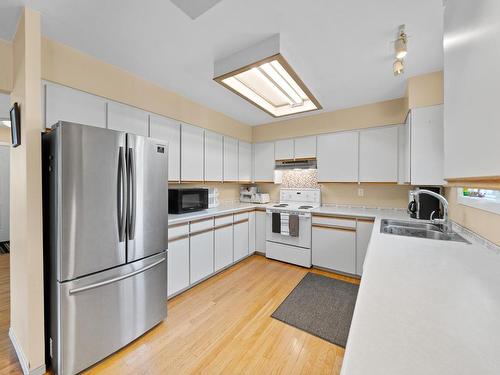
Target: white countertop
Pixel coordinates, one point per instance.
(221, 210)
(425, 307)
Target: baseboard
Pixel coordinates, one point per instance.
(22, 357)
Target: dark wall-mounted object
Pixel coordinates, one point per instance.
(15, 125)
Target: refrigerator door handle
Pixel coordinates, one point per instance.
(131, 193)
(121, 194)
(115, 279)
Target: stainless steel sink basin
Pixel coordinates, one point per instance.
(419, 230)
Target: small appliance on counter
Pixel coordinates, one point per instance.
(251, 194)
(422, 206)
(181, 201)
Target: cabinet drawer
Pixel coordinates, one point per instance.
(177, 230)
(223, 220)
(202, 224)
(240, 216)
(334, 220)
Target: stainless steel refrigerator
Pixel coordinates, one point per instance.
(105, 235)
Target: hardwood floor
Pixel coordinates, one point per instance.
(8, 358)
(224, 326)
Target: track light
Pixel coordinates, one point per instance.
(401, 50)
(398, 67)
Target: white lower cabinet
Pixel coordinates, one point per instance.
(223, 246)
(240, 240)
(334, 248)
(364, 230)
(251, 232)
(201, 255)
(178, 265)
(260, 231)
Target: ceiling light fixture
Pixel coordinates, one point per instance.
(401, 50)
(262, 76)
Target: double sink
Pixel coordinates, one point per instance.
(419, 230)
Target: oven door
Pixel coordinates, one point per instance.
(304, 238)
(193, 200)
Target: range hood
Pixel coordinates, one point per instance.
(295, 164)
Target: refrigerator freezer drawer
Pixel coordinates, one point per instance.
(103, 312)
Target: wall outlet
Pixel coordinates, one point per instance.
(361, 192)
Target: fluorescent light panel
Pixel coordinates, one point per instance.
(271, 87)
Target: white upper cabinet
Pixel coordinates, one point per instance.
(404, 151)
(284, 149)
(338, 157)
(471, 82)
(65, 104)
(213, 156)
(191, 153)
(168, 130)
(127, 119)
(230, 159)
(263, 162)
(378, 154)
(305, 147)
(244, 161)
(427, 154)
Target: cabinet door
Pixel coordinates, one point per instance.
(65, 104)
(168, 130)
(334, 249)
(263, 164)
(404, 153)
(284, 149)
(201, 255)
(223, 246)
(427, 146)
(127, 119)
(471, 82)
(251, 232)
(363, 234)
(338, 157)
(178, 265)
(240, 240)
(260, 231)
(378, 155)
(213, 156)
(191, 153)
(305, 147)
(230, 159)
(244, 161)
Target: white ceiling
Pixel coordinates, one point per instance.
(341, 48)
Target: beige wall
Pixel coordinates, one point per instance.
(425, 90)
(365, 116)
(5, 66)
(375, 195)
(70, 67)
(26, 257)
(484, 223)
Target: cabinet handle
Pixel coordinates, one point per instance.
(201, 231)
(240, 221)
(334, 227)
(177, 238)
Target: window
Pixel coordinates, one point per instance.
(483, 199)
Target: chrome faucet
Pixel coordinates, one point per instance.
(444, 221)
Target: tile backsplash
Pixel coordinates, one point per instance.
(303, 178)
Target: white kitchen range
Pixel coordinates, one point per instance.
(288, 226)
(258, 187)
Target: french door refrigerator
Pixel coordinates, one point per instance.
(105, 235)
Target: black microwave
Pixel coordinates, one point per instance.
(187, 200)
